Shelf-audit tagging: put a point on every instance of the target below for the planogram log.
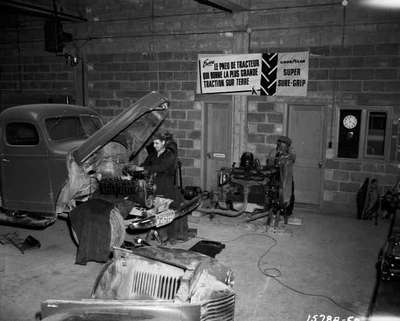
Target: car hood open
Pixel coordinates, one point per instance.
(152, 107)
(136, 124)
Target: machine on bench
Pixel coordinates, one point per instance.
(270, 186)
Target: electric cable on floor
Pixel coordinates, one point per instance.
(275, 273)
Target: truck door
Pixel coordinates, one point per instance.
(25, 181)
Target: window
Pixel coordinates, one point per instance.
(90, 124)
(376, 133)
(72, 127)
(364, 133)
(21, 134)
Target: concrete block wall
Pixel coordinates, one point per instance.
(132, 47)
(33, 79)
(352, 76)
(265, 119)
(116, 81)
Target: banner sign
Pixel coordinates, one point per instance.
(270, 74)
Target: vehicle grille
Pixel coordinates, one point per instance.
(154, 285)
(222, 309)
(155, 281)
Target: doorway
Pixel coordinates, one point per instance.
(306, 128)
(217, 140)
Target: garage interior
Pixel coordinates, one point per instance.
(107, 55)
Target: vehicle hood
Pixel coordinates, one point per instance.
(64, 148)
(97, 153)
(150, 111)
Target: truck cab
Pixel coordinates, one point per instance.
(34, 142)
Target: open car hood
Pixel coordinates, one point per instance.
(152, 108)
(137, 123)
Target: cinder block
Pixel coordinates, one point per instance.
(187, 162)
(385, 74)
(183, 75)
(339, 175)
(392, 86)
(194, 153)
(166, 75)
(373, 167)
(387, 49)
(188, 85)
(256, 117)
(186, 124)
(349, 187)
(358, 176)
(340, 74)
(341, 197)
(319, 74)
(362, 74)
(256, 138)
(173, 85)
(312, 85)
(195, 134)
(331, 185)
(266, 128)
(265, 107)
(326, 85)
(328, 62)
(177, 114)
(341, 51)
(191, 171)
(351, 166)
(185, 143)
(350, 85)
(275, 118)
(364, 50)
(351, 62)
(374, 86)
(194, 115)
(271, 139)
(179, 95)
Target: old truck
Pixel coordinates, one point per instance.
(54, 156)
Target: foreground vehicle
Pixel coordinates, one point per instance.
(153, 283)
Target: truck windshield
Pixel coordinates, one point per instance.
(72, 127)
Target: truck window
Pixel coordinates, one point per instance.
(71, 127)
(91, 124)
(21, 134)
(65, 128)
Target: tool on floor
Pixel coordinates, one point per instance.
(21, 244)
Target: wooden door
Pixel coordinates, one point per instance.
(218, 140)
(307, 131)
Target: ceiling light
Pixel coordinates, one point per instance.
(388, 4)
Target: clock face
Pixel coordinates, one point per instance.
(350, 121)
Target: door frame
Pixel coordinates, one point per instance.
(204, 135)
(324, 111)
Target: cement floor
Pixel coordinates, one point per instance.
(326, 256)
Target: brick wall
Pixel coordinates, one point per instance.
(33, 79)
(115, 81)
(130, 48)
(351, 76)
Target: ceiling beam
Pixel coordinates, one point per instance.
(225, 5)
(39, 11)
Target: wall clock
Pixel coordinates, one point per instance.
(350, 121)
